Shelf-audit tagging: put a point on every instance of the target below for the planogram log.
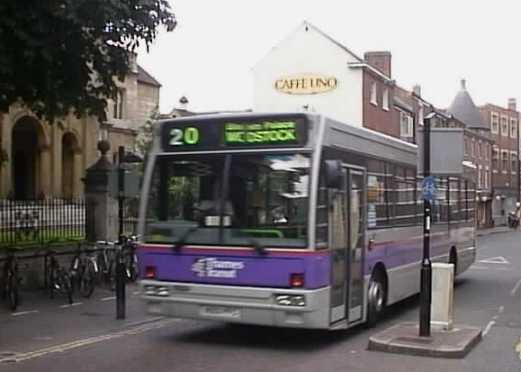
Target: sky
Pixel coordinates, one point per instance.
(209, 56)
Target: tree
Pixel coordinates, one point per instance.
(63, 55)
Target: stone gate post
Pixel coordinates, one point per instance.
(101, 207)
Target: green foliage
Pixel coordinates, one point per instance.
(63, 55)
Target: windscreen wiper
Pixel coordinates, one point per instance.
(176, 247)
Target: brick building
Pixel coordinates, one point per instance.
(361, 91)
(503, 123)
(477, 150)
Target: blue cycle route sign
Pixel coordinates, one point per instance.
(429, 188)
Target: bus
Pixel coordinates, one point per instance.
(290, 220)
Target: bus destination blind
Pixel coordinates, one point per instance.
(221, 134)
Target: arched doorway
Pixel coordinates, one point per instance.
(26, 139)
(69, 171)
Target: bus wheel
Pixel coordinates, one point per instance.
(376, 298)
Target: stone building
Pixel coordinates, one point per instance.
(40, 160)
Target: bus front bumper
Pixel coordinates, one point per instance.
(296, 308)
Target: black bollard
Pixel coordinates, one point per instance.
(120, 287)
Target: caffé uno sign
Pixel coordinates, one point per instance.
(306, 84)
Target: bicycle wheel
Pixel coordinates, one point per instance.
(65, 285)
(87, 280)
(111, 276)
(12, 291)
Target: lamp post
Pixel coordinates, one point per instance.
(426, 266)
(123, 158)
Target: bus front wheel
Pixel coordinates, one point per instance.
(376, 298)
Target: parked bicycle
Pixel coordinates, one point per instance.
(128, 250)
(10, 280)
(84, 271)
(59, 280)
(106, 259)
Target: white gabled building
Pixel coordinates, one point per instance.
(309, 71)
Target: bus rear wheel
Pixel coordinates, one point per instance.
(375, 298)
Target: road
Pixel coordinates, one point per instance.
(48, 336)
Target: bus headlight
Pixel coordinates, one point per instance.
(290, 300)
(154, 290)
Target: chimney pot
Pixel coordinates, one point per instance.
(512, 104)
(417, 90)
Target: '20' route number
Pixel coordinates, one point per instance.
(186, 136)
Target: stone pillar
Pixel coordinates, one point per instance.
(57, 160)
(101, 207)
(7, 166)
(76, 174)
(44, 171)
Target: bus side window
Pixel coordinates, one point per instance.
(378, 206)
(322, 214)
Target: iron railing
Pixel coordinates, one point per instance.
(40, 221)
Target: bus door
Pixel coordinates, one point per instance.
(356, 221)
(347, 239)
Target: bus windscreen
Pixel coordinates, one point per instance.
(262, 198)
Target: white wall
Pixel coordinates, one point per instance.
(309, 52)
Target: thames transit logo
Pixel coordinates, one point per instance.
(213, 268)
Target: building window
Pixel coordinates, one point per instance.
(478, 150)
(385, 100)
(480, 169)
(494, 120)
(486, 151)
(504, 126)
(406, 125)
(513, 128)
(466, 148)
(495, 158)
(513, 159)
(504, 158)
(472, 144)
(486, 177)
(119, 105)
(374, 100)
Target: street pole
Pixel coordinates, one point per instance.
(121, 189)
(426, 268)
(120, 268)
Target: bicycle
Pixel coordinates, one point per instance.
(83, 272)
(128, 250)
(10, 280)
(106, 259)
(59, 279)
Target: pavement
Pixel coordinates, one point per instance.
(493, 230)
(403, 338)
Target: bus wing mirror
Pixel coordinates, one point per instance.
(333, 173)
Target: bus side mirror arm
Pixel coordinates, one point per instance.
(333, 174)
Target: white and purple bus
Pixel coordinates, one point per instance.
(291, 220)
